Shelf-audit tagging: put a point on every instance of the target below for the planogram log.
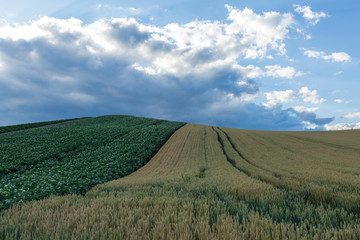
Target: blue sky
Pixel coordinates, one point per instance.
(267, 65)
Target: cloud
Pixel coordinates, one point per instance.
(335, 57)
(352, 115)
(58, 68)
(308, 14)
(260, 32)
(302, 109)
(338, 57)
(274, 71)
(310, 126)
(338, 73)
(306, 35)
(342, 126)
(309, 117)
(275, 98)
(278, 72)
(310, 96)
(338, 101)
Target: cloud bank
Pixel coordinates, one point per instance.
(54, 68)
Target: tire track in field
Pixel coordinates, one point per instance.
(239, 153)
(230, 160)
(277, 181)
(243, 170)
(277, 175)
(271, 179)
(205, 154)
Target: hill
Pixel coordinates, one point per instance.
(215, 183)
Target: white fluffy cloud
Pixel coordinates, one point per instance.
(352, 115)
(275, 98)
(338, 57)
(310, 126)
(286, 72)
(342, 126)
(335, 57)
(308, 14)
(310, 96)
(260, 33)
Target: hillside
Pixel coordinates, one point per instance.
(215, 183)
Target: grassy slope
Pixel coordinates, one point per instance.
(215, 183)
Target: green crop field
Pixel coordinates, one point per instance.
(212, 183)
(72, 158)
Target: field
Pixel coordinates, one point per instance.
(74, 157)
(214, 183)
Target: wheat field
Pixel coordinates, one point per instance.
(214, 183)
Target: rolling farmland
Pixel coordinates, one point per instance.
(214, 183)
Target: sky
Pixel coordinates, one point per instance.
(266, 65)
